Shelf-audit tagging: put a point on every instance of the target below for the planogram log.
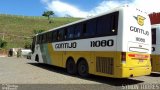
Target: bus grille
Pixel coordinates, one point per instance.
(104, 65)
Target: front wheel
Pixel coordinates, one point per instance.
(83, 68)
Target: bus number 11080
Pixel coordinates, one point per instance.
(102, 43)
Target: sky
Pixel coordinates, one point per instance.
(74, 8)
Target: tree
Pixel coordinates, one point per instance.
(3, 43)
(48, 14)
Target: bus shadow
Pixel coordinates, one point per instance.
(99, 79)
(155, 74)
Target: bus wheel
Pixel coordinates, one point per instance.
(83, 68)
(71, 66)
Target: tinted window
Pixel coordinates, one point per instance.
(105, 25)
(49, 37)
(101, 26)
(114, 23)
(84, 28)
(54, 36)
(108, 24)
(154, 36)
(41, 39)
(44, 40)
(65, 33)
(91, 27)
(38, 39)
(60, 36)
(70, 32)
(77, 31)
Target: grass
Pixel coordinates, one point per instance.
(11, 27)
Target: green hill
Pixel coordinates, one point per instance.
(15, 29)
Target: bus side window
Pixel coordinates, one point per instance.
(114, 24)
(84, 28)
(70, 32)
(91, 27)
(60, 36)
(54, 36)
(41, 39)
(65, 33)
(44, 38)
(108, 25)
(49, 37)
(88, 29)
(38, 39)
(77, 30)
(101, 26)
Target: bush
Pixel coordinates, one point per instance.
(3, 43)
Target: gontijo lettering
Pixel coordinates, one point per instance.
(66, 45)
(138, 30)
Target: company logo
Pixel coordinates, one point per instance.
(140, 19)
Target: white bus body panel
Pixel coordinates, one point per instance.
(128, 40)
(37, 52)
(85, 44)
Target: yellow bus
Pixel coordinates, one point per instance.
(155, 57)
(114, 44)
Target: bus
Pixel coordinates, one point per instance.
(114, 44)
(155, 56)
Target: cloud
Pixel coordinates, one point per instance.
(149, 6)
(62, 8)
(104, 7)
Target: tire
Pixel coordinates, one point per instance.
(83, 68)
(71, 66)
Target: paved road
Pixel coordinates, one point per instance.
(22, 71)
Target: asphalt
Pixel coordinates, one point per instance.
(23, 74)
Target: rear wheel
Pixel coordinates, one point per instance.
(71, 66)
(83, 68)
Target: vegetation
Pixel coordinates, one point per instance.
(16, 29)
(38, 31)
(27, 43)
(48, 14)
(3, 44)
